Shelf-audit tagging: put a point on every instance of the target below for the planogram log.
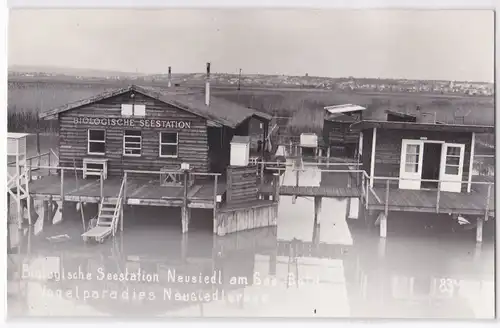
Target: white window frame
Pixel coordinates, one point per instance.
(169, 144)
(130, 110)
(127, 110)
(125, 148)
(96, 141)
(142, 109)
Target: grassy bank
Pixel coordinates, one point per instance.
(304, 108)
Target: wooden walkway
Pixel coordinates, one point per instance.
(139, 191)
(426, 201)
(309, 191)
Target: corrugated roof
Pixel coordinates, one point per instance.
(344, 108)
(340, 117)
(221, 111)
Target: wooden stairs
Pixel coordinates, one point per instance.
(110, 213)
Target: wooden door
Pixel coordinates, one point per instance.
(452, 167)
(410, 169)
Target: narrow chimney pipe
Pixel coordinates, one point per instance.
(169, 76)
(207, 86)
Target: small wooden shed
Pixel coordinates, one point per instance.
(336, 132)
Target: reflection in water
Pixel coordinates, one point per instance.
(337, 269)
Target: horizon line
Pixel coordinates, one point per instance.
(9, 67)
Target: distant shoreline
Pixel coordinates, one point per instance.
(228, 87)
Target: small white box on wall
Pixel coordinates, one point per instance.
(309, 140)
(240, 151)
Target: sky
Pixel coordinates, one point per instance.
(432, 44)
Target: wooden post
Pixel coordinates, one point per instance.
(18, 189)
(214, 219)
(276, 185)
(367, 193)
(372, 161)
(383, 225)
(264, 137)
(62, 184)
(28, 207)
(328, 152)
(49, 162)
(386, 208)
(479, 230)
(102, 185)
(383, 219)
(438, 199)
(487, 208)
(29, 170)
(124, 200)
(348, 208)
(471, 161)
(185, 210)
(317, 209)
(262, 172)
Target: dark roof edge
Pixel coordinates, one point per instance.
(368, 124)
(150, 93)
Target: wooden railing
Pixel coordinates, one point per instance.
(119, 206)
(484, 165)
(62, 169)
(388, 181)
(188, 176)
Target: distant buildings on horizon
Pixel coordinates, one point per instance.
(309, 82)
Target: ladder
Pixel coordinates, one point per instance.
(110, 212)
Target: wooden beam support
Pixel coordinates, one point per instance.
(382, 224)
(276, 185)
(101, 185)
(62, 184)
(471, 161)
(185, 211)
(348, 208)
(438, 197)
(49, 159)
(216, 205)
(124, 201)
(487, 207)
(264, 137)
(372, 160)
(479, 230)
(317, 209)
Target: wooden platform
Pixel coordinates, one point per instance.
(139, 191)
(309, 191)
(426, 200)
(97, 233)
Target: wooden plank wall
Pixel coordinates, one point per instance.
(241, 184)
(193, 142)
(388, 149)
(254, 217)
(338, 133)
